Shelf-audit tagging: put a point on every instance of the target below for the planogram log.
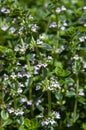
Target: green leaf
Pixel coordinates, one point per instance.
(82, 100)
(4, 115)
(40, 108)
(46, 46)
(70, 94)
(7, 122)
(84, 126)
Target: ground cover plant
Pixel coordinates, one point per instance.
(42, 65)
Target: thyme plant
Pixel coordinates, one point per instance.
(42, 64)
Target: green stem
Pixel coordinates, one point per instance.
(30, 91)
(48, 25)
(30, 98)
(49, 102)
(3, 105)
(76, 99)
(15, 103)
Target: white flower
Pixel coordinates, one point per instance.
(58, 10)
(11, 110)
(65, 24)
(38, 102)
(19, 90)
(84, 65)
(21, 85)
(63, 28)
(4, 28)
(81, 92)
(12, 30)
(5, 77)
(16, 48)
(84, 7)
(18, 112)
(85, 25)
(30, 17)
(52, 122)
(40, 65)
(76, 57)
(44, 123)
(13, 75)
(43, 36)
(5, 10)
(53, 25)
(23, 100)
(49, 58)
(37, 87)
(54, 85)
(63, 8)
(81, 39)
(39, 41)
(48, 121)
(40, 116)
(56, 114)
(29, 102)
(34, 28)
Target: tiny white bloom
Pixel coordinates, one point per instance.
(63, 8)
(12, 30)
(39, 41)
(37, 87)
(84, 7)
(81, 39)
(85, 25)
(38, 102)
(23, 100)
(58, 10)
(11, 110)
(40, 116)
(4, 28)
(81, 92)
(84, 65)
(63, 28)
(30, 17)
(65, 24)
(13, 75)
(53, 25)
(76, 57)
(5, 10)
(19, 90)
(29, 102)
(34, 28)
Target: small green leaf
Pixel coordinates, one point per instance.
(40, 108)
(4, 115)
(70, 94)
(7, 122)
(46, 46)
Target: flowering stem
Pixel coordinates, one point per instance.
(30, 98)
(1, 121)
(49, 102)
(76, 100)
(30, 91)
(48, 25)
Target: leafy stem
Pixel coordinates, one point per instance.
(49, 102)
(30, 98)
(76, 99)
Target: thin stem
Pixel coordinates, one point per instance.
(30, 98)
(48, 25)
(49, 102)
(1, 121)
(76, 100)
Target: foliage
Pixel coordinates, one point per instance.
(42, 64)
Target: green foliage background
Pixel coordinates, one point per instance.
(42, 64)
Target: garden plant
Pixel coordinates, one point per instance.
(42, 65)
